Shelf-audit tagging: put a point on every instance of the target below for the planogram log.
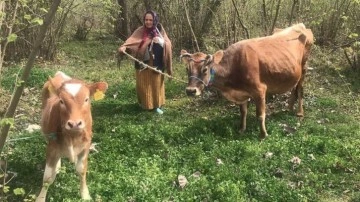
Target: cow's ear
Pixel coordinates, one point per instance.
(218, 56)
(98, 89)
(184, 55)
(57, 81)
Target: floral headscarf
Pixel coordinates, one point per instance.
(150, 32)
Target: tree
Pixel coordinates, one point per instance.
(26, 73)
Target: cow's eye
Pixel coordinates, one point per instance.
(204, 69)
(87, 99)
(61, 101)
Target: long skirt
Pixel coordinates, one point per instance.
(150, 89)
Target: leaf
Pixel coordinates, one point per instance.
(7, 121)
(27, 17)
(19, 191)
(37, 21)
(219, 162)
(43, 10)
(11, 38)
(295, 160)
(196, 174)
(6, 189)
(182, 181)
(268, 155)
(92, 147)
(33, 127)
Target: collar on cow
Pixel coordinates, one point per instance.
(52, 136)
(212, 76)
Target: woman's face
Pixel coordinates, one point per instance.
(149, 20)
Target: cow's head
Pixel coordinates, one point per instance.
(73, 98)
(199, 67)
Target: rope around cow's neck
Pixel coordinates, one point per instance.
(152, 68)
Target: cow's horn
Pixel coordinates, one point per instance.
(209, 58)
(185, 55)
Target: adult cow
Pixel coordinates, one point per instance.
(66, 123)
(252, 68)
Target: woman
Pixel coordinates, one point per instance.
(150, 44)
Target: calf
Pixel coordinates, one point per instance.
(66, 123)
(251, 68)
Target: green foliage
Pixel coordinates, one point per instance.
(11, 37)
(141, 154)
(11, 77)
(7, 121)
(19, 191)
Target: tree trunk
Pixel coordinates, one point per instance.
(26, 73)
(122, 27)
(295, 2)
(8, 32)
(191, 29)
(207, 24)
(247, 35)
(275, 17)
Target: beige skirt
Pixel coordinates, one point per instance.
(150, 89)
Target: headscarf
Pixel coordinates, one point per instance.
(152, 32)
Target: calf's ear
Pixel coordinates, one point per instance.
(98, 89)
(49, 89)
(218, 56)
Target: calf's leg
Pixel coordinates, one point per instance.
(81, 168)
(53, 163)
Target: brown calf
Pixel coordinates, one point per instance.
(251, 68)
(66, 123)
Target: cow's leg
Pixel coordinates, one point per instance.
(300, 89)
(53, 163)
(261, 113)
(243, 114)
(293, 98)
(81, 168)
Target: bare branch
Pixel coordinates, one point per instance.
(191, 29)
(241, 23)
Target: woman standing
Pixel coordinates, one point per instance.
(149, 43)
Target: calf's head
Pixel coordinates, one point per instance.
(200, 70)
(73, 97)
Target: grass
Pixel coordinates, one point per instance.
(141, 154)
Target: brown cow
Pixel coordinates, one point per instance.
(251, 68)
(66, 123)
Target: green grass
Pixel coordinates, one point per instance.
(142, 153)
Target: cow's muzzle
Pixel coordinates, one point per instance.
(75, 125)
(192, 91)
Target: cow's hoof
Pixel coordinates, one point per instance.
(263, 136)
(88, 198)
(300, 114)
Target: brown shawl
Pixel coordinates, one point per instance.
(133, 42)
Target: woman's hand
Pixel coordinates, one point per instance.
(122, 49)
(159, 41)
